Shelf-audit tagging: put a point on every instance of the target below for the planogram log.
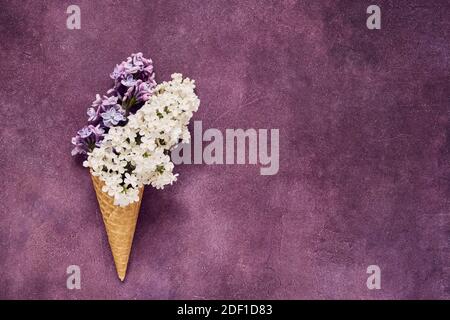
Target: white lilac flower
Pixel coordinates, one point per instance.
(136, 154)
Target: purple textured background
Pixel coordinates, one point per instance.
(364, 150)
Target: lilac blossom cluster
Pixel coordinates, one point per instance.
(134, 81)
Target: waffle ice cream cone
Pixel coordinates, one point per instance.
(120, 224)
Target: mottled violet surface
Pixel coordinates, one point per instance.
(364, 164)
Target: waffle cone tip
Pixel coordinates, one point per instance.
(120, 224)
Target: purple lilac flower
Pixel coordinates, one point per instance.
(108, 101)
(97, 102)
(99, 106)
(112, 117)
(117, 72)
(141, 92)
(134, 81)
(111, 112)
(92, 114)
(127, 75)
(135, 67)
(145, 66)
(129, 81)
(85, 132)
(87, 138)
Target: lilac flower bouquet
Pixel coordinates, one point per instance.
(127, 144)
